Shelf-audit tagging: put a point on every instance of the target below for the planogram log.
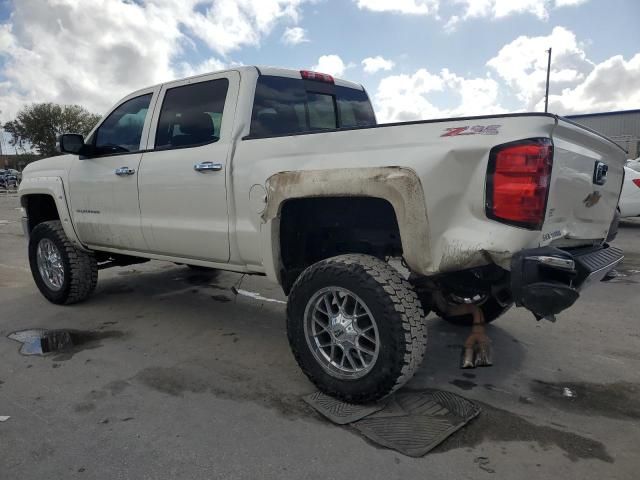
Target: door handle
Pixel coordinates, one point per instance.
(124, 171)
(205, 167)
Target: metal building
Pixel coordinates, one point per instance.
(623, 127)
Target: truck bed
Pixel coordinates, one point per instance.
(452, 169)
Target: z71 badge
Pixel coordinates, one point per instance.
(475, 130)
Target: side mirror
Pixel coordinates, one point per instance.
(71, 143)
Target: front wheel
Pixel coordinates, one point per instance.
(356, 328)
(62, 273)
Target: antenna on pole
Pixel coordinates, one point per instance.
(546, 95)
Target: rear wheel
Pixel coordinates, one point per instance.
(355, 327)
(62, 273)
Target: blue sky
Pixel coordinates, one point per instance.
(339, 26)
(440, 58)
(415, 41)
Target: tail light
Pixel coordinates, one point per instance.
(518, 178)
(319, 77)
(636, 181)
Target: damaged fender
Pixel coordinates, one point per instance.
(400, 186)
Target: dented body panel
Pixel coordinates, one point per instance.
(401, 187)
(578, 208)
(453, 232)
(433, 173)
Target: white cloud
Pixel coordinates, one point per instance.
(452, 23)
(64, 52)
(377, 63)
(294, 36)
(611, 85)
(331, 64)
(185, 69)
(569, 3)
(495, 9)
(229, 24)
(578, 85)
(504, 8)
(416, 7)
(410, 97)
(522, 64)
(403, 97)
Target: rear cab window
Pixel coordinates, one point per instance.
(285, 106)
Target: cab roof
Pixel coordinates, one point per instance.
(262, 70)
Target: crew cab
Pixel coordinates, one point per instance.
(287, 174)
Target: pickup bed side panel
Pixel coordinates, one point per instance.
(451, 170)
(400, 186)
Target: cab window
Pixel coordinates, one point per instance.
(322, 112)
(191, 115)
(121, 132)
(285, 105)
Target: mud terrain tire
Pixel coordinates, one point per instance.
(391, 301)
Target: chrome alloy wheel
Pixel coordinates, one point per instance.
(50, 266)
(341, 333)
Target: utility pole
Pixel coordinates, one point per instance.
(546, 95)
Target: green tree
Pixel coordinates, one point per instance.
(37, 126)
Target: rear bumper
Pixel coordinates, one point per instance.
(548, 280)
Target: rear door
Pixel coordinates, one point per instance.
(183, 175)
(104, 187)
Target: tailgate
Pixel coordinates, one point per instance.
(581, 202)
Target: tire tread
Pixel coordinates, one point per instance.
(402, 299)
(82, 265)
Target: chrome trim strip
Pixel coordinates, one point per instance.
(555, 262)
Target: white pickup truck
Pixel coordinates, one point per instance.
(286, 174)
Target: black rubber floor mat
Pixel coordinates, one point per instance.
(411, 423)
(338, 411)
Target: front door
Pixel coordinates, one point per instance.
(182, 181)
(104, 187)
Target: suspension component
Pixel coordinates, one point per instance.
(477, 347)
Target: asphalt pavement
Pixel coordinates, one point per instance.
(180, 378)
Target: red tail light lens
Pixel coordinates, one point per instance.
(319, 77)
(636, 181)
(518, 178)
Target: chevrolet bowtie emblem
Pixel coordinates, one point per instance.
(592, 199)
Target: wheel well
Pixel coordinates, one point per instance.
(40, 208)
(312, 229)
